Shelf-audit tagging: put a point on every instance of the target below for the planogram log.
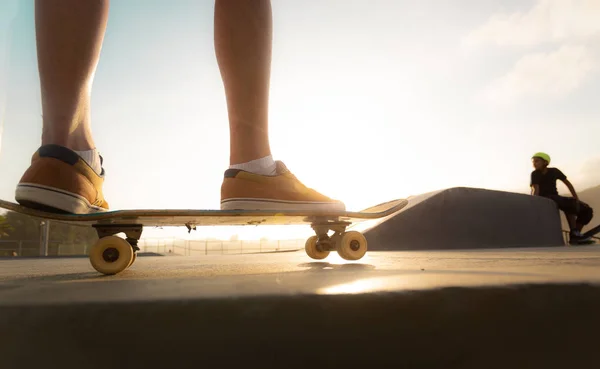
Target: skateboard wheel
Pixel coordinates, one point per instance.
(132, 259)
(352, 246)
(111, 255)
(313, 251)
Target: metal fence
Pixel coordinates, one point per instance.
(29, 248)
(211, 247)
(32, 248)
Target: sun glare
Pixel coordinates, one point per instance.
(354, 287)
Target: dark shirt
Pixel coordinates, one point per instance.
(547, 182)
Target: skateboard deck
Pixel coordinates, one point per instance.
(113, 254)
(592, 232)
(198, 217)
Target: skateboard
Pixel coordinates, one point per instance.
(592, 232)
(589, 235)
(112, 254)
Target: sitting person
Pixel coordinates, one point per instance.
(543, 183)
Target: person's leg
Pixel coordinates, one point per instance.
(571, 209)
(243, 40)
(69, 35)
(584, 216)
(571, 220)
(566, 206)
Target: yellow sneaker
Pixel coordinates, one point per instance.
(59, 180)
(242, 190)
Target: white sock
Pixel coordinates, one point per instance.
(92, 157)
(262, 166)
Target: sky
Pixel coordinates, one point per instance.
(370, 100)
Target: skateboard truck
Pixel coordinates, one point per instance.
(133, 232)
(324, 241)
(350, 245)
(190, 227)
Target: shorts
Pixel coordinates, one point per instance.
(583, 212)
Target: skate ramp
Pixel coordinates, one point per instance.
(469, 218)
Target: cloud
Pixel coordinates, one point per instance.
(548, 75)
(549, 21)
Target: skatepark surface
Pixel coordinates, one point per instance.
(460, 278)
(493, 308)
(73, 280)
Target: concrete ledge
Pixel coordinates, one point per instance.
(532, 326)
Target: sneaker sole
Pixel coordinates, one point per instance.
(266, 204)
(53, 200)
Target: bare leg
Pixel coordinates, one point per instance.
(243, 40)
(69, 35)
(69, 39)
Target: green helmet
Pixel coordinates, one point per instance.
(542, 155)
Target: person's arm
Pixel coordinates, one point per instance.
(535, 184)
(563, 178)
(571, 188)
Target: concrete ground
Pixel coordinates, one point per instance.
(469, 309)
